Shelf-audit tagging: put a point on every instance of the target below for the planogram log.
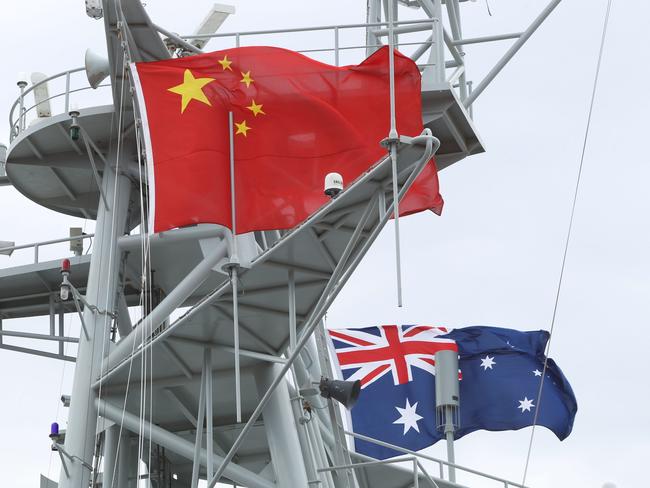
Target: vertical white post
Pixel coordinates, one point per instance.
(234, 266)
(281, 430)
(111, 439)
(200, 422)
(101, 292)
(52, 316)
(21, 114)
(393, 139)
(292, 310)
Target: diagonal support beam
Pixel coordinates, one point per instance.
(181, 406)
(174, 443)
(177, 360)
(516, 46)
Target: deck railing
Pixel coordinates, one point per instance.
(20, 110)
(37, 245)
(413, 455)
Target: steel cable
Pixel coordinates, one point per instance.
(568, 236)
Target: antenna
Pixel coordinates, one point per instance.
(447, 401)
(211, 23)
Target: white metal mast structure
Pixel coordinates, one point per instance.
(222, 389)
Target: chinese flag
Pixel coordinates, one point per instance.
(296, 120)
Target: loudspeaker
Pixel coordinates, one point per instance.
(97, 68)
(344, 392)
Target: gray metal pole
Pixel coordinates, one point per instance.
(393, 137)
(292, 310)
(449, 436)
(373, 16)
(447, 401)
(101, 292)
(280, 429)
(303, 435)
(111, 439)
(234, 260)
(124, 461)
(200, 422)
(209, 419)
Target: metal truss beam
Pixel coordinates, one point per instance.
(180, 446)
(36, 352)
(339, 277)
(221, 347)
(516, 46)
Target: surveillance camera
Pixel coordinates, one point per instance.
(333, 185)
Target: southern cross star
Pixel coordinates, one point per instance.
(526, 405)
(537, 372)
(487, 362)
(408, 417)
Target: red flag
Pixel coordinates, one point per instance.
(296, 120)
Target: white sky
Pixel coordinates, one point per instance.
(494, 256)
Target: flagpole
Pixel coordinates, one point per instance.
(392, 140)
(234, 266)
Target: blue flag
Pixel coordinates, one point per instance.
(500, 371)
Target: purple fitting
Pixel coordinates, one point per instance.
(54, 429)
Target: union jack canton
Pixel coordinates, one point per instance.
(376, 351)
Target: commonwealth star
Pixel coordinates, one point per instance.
(408, 417)
(191, 89)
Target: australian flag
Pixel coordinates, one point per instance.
(500, 375)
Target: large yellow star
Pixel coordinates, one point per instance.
(246, 78)
(225, 63)
(191, 89)
(256, 108)
(242, 128)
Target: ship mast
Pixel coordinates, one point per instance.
(169, 390)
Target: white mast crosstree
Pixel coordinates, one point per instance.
(168, 390)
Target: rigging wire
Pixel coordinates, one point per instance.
(568, 236)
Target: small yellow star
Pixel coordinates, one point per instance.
(242, 128)
(191, 89)
(246, 78)
(225, 63)
(256, 108)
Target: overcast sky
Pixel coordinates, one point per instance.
(494, 256)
